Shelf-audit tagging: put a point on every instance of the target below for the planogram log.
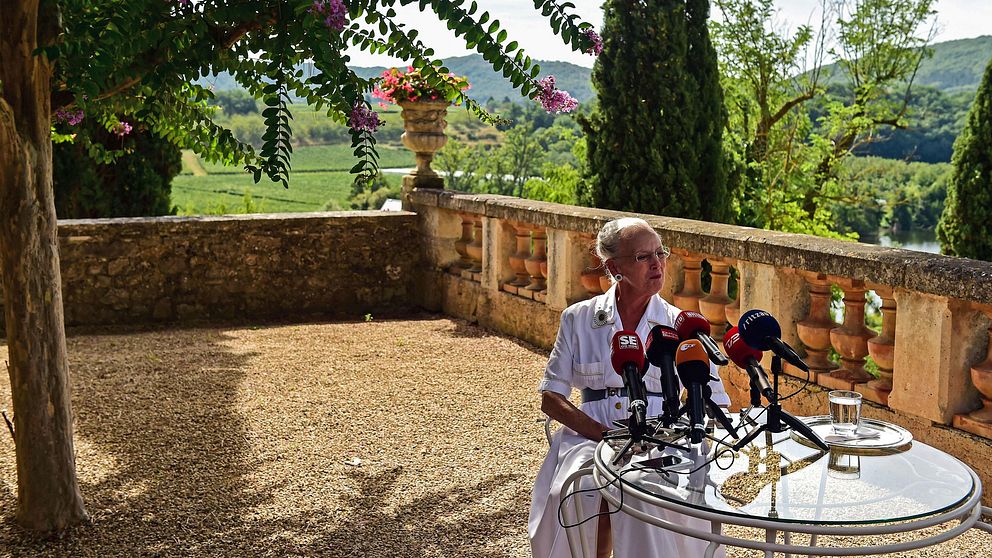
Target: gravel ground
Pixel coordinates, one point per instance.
(397, 438)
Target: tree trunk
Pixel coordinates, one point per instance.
(47, 490)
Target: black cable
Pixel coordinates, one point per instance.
(798, 391)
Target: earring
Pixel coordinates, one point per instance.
(618, 277)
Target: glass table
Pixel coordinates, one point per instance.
(779, 484)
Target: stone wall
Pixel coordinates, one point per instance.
(513, 265)
(288, 266)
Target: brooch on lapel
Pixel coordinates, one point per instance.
(600, 318)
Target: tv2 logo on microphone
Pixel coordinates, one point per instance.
(629, 342)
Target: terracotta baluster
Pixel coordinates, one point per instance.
(980, 421)
(850, 340)
(692, 291)
(533, 263)
(518, 259)
(733, 310)
(465, 262)
(713, 306)
(591, 275)
(882, 349)
(542, 295)
(814, 331)
(474, 249)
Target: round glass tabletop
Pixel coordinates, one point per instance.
(776, 477)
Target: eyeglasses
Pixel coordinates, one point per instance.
(643, 257)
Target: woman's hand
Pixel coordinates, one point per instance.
(556, 406)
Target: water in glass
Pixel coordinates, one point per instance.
(845, 411)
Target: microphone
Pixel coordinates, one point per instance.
(662, 343)
(761, 331)
(693, 325)
(627, 357)
(694, 370)
(745, 357)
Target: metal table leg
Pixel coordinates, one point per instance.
(716, 527)
(770, 536)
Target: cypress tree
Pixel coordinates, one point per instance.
(965, 228)
(655, 140)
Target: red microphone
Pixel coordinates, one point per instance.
(627, 357)
(693, 325)
(626, 350)
(747, 358)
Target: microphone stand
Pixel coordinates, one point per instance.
(779, 420)
(636, 433)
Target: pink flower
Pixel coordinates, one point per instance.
(122, 129)
(334, 12)
(596, 40)
(362, 118)
(555, 100)
(71, 118)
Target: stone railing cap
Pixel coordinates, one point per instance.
(917, 271)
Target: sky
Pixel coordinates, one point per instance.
(957, 19)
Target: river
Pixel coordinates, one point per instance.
(919, 240)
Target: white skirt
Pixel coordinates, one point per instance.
(570, 452)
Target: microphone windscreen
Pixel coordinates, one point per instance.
(689, 323)
(737, 350)
(692, 362)
(626, 348)
(756, 327)
(662, 340)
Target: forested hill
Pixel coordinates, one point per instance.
(486, 83)
(956, 66)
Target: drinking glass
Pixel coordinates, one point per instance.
(845, 411)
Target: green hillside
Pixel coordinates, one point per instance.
(488, 84)
(956, 65)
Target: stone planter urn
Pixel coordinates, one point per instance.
(423, 124)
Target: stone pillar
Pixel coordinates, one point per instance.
(782, 293)
(814, 331)
(500, 246)
(518, 259)
(533, 264)
(567, 258)
(692, 290)
(937, 341)
(882, 349)
(714, 305)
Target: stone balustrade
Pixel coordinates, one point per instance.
(930, 362)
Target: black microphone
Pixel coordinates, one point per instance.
(662, 343)
(761, 331)
(627, 357)
(693, 367)
(693, 325)
(746, 357)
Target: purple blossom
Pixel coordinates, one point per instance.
(362, 118)
(596, 40)
(69, 117)
(334, 13)
(122, 128)
(555, 100)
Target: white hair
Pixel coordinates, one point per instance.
(616, 231)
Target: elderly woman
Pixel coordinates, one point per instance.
(635, 259)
